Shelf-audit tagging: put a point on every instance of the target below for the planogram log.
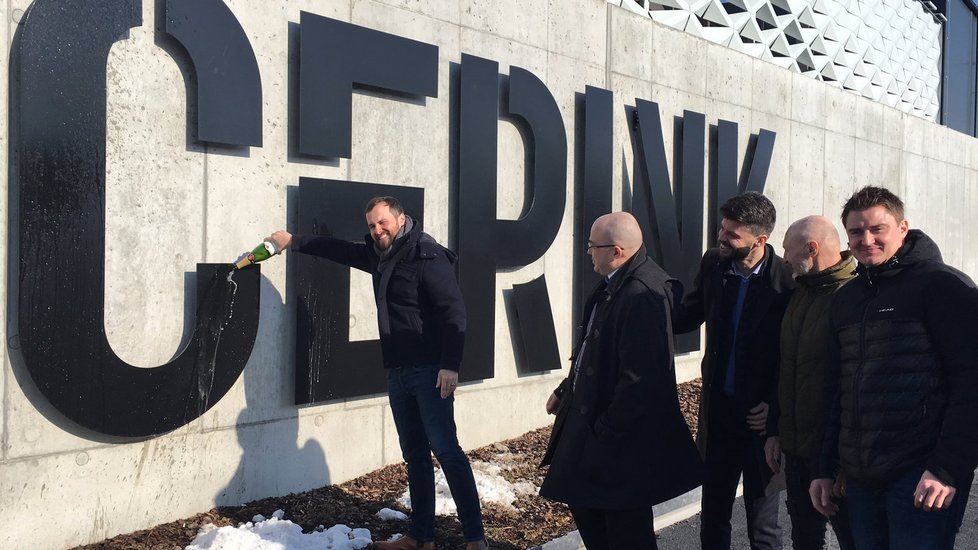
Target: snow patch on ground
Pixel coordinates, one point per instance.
(278, 534)
(387, 514)
(491, 485)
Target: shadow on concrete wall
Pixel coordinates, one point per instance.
(273, 462)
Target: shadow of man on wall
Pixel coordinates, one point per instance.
(274, 460)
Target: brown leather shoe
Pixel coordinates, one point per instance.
(477, 545)
(404, 543)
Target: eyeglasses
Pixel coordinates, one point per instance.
(591, 245)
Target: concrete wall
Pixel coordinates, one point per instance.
(170, 205)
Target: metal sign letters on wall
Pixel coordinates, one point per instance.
(60, 95)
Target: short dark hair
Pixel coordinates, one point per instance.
(392, 203)
(871, 196)
(751, 209)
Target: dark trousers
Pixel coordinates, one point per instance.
(615, 529)
(733, 449)
(807, 525)
(426, 423)
(884, 517)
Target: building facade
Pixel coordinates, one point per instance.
(149, 144)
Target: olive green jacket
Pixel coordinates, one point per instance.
(806, 354)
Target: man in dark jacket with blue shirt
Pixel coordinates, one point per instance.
(740, 292)
(620, 444)
(903, 411)
(421, 318)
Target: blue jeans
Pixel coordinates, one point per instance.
(884, 516)
(426, 423)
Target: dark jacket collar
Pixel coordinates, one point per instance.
(917, 248)
(642, 268)
(627, 270)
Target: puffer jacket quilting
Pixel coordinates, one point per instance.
(905, 337)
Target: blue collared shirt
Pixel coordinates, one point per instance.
(728, 381)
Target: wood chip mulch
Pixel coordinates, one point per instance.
(355, 503)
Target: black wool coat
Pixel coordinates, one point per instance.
(712, 300)
(620, 440)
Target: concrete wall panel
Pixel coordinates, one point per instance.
(678, 60)
(520, 21)
(915, 191)
(347, 436)
(779, 182)
(936, 205)
(957, 148)
(107, 490)
(841, 112)
(630, 40)
(840, 176)
(915, 135)
(869, 169)
(578, 29)
(972, 154)
(970, 263)
(808, 103)
(446, 10)
(869, 120)
(893, 128)
(937, 140)
(807, 171)
(891, 164)
(729, 76)
(954, 238)
(772, 92)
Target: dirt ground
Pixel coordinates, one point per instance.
(355, 503)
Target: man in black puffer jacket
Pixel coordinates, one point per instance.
(902, 410)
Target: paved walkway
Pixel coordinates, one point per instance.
(684, 535)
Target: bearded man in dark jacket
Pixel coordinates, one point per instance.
(740, 292)
(421, 320)
(620, 444)
(902, 409)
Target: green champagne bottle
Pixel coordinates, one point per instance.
(261, 253)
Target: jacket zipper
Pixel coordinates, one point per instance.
(862, 360)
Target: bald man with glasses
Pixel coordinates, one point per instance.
(620, 444)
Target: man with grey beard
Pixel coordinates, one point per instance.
(813, 251)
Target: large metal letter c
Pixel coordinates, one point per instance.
(61, 136)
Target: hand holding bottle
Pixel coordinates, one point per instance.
(282, 239)
(274, 244)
